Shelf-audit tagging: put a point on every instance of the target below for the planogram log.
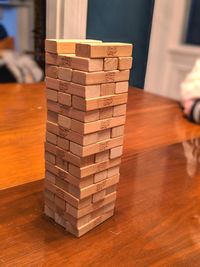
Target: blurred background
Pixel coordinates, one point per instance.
(165, 34)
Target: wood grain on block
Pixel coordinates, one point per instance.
(105, 113)
(113, 171)
(97, 103)
(125, 63)
(116, 152)
(87, 78)
(94, 168)
(51, 59)
(83, 151)
(80, 63)
(79, 115)
(51, 71)
(64, 99)
(53, 106)
(64, 46)
(50, 157)
(87, 91)
(63, 143)
(107, 89)
(102, 156)
(119, 110)
(102, 50)
(78, 213)
(117, 131)
(65, 74)
(103, 135)
(90, 127)
(81, 183)
(52, 95)
(110, 63)
(100, 176)
(52, 83)
(52, 116)
(64, 121)
(121, 87)
(52, 127)
(51, 138)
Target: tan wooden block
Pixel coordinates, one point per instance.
(48, 194)
(107, 89)
(60, 203)
(51, 71)
(102, 156)
(90, 127)
(88, 78)
(51, 58)
(52, 127)
(100, 176)
(81, 183)
(110, 63)
(64, 46)
(80, 63)
(105, 113)
(98, 103)
(49, 212)
(125, 63)
(61, 164)
(50, 177)
(98, 196)
(102, 50)
(52, 116)
(50, 157)
(63, 143)
(53, 106)
(51, 168)
(121, 87)
(62, 183)
(50, 148)
(65, 74)
(119, 110)
(51, 138)
(116, 152)
(95, 148)
(64, 121)
(110, 190)
(103, 135)
(89, 91)
(52, 95)
(52, 83)
(113, 171)
(117, 131)
(60, 220)
(64, 99)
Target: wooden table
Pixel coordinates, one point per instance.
(157, 220)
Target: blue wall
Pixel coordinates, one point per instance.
(124, 21)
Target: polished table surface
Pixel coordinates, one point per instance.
(157, 219)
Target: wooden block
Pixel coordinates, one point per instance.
(89, 91)
(50, 148)
(97, 103)
(53, 106)
(98, 196)
(63, 143)
(51, 59)
(50, 157)
(52, 127)
(121, 87)
(90, 127)
(103, 135)
(48, 194)
(64, 99)
(116, 152)
(52, 83)
(105, 113)
(102, 156)
(107, 89)
(103, 50)
(100, 176)
(125, 63)
(119, 110)
(110, 190)
(60, 203)
(50, 177)
(87, 78)
(64, 121)
(117, 131)
(110, 63)
(64, 46)
(48, 212)
(80, 63)
(95, 148)
(113, 171)
(65, 74)
(61, 164)
(51, 138)
(52, 95)
(52, 116)
(51, 71)
(60, 220)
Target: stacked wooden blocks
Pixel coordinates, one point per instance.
(86, 89)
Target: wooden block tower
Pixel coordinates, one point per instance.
(86, 90)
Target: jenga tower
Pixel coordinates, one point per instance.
(86, 89)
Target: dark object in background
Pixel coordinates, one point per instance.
(39, 31)
(6, 76)
(3, 33)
